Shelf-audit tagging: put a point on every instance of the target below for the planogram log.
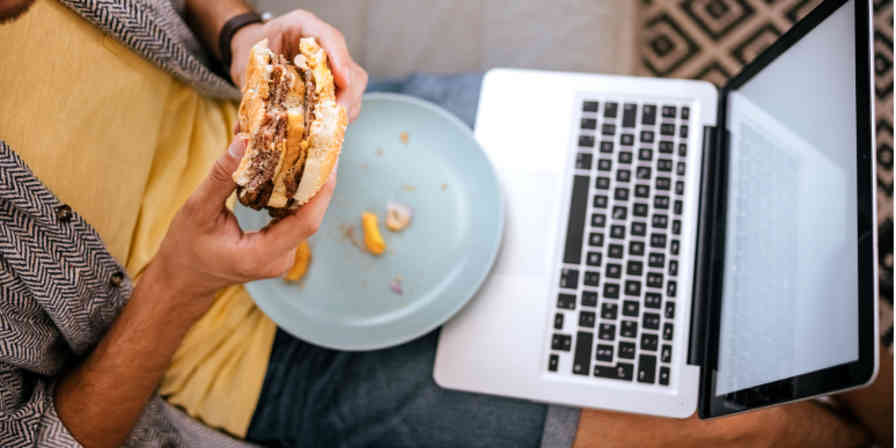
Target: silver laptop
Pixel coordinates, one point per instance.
(671, 246)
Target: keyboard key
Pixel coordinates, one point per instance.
(617, 231)
(663, 183)
(569, 278)
(676, 227)
(664, 376)
(682, 150)
(593, 259)
(625, 157)
(561, 342)
(608, 129)
(603, 353)
(635, 267)
(614, 270)
(629, 329)
(643, 173)
(599, 201)
(666, 353)
(648, 114)
(646, 136)
(642, 191)
(645, 154)
(668, 111)
(657, 240)
(588, 123)
(659, 221)
(604, 164)
(679, 168)
(587, 319)
(649, 341)
(576, 225)
(620, 212)
(652, 300)
(581, 361)
(639, 229)
(683, 131)
(602, 183)
(667, 331)
(623, 175)
(646, 368)
(611, 290)
(666, 147)
(589, 106)
(667, 129)
(621, 194)
(610, 109)
(558, 321)
(630, 308)
(626, 350)
(606, 332)
(651, 321)
(685, 113)
(566, 301)
(661, 202)
(622, 371)
(628, 115)
(670, 310)
(679, 187)
(583, 161)
(654, 279)
(586, 141)
(615, 251)
(608, 311)
(664, 165)
(679, 205)
(671, 289)
(673, 247)
(633, 288)
(627, 140)
(656, 260)
(596, 239)
(589, 298)
(592, 278)
(640, 209)
(606, 147)
(553, 360)
(598, 220)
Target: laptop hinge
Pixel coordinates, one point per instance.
(703, 255)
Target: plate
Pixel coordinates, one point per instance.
(345, 301)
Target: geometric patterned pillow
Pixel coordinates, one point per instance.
(713, 39)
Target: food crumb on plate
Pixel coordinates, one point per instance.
(408, 187)
(379, 151)
(444, 187)
(398, 216)
(395, 286)
(404, 137)
(348, 232)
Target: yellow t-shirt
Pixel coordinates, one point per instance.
(124, 144)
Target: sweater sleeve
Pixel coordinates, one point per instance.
(28, 413)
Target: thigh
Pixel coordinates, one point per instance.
(318, 397)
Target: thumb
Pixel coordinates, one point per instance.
(219, 183)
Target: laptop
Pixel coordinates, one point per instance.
(671, 247)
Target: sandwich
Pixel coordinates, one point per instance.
(294, 128)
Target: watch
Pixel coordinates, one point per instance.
(229, 30)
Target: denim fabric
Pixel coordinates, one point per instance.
(318, 397)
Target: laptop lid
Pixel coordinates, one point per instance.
(790, 273)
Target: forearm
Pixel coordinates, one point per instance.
(100, 400)
(873, 405)
(208, 16)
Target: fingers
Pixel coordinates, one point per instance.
(351, 97)
(217, 186)
(287, 233)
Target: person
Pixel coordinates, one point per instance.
(121, 265)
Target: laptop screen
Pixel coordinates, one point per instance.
(789, 298)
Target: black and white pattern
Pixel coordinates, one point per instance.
(155, 31)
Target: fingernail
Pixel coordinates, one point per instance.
(238, 147)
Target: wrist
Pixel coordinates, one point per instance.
(171, 296)
(240, 44)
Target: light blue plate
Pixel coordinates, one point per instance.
(345, 301)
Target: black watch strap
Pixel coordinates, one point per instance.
(229, 29)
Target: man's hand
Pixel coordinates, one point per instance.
(283, 34)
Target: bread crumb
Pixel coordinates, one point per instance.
(408, 187)
(444, 187)
(404, 137)
(348, 232)
(379, 151)
(364, 166)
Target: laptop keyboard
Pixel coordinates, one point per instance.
(615, 307)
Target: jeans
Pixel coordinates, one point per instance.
(319, 397)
